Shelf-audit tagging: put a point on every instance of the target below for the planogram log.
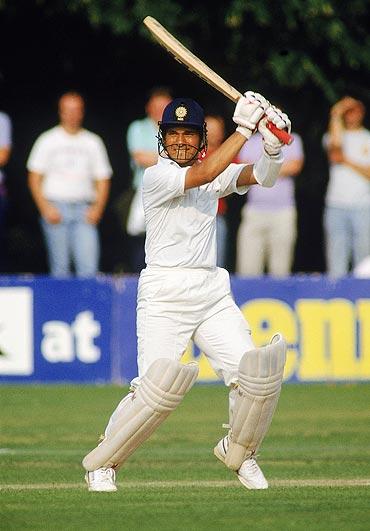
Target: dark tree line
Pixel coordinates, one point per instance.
(302, 55)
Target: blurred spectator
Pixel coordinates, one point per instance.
(215, 137)
(69, 179)
(143, 150)
(347, 203)
(268, 228)
(5, 149)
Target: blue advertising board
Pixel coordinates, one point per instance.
(55, 330)
(85, 330)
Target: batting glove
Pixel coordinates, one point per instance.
(271, 143)
(248, 112)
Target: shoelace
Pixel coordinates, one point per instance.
(107, 474)
(252, 466)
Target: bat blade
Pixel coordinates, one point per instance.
(184, 56)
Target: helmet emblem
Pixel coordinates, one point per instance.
(181, 112)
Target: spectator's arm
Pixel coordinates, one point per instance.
(48, 211)
(336, 128)
(95, 211)
(4, 155)
(291, 168)
(145, 158)
(360, 168)
(336, 125)
(335, 154)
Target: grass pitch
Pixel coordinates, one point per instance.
(316, 457)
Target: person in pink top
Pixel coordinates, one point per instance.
(268, 228)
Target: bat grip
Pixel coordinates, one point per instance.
(282, 135)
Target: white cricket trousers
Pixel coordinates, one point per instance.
(178, 305)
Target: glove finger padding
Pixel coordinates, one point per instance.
(272, 144)
(278, 118)
(255, 97)
(248, 112)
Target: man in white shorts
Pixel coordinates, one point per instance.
(183, 296)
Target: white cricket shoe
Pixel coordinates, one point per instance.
(101, 480)
(249, 474)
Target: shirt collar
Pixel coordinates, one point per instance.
(170, 162)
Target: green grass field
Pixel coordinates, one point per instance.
(316, 457)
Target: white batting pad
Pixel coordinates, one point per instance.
(160, 391)
(260, 378)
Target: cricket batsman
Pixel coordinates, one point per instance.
(183, 296)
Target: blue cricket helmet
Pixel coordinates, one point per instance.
(184, 112)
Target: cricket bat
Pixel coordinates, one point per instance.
(194, 64)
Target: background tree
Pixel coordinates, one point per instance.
(302, 54)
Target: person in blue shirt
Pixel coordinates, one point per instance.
(143, 151)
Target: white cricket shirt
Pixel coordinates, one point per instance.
(69, 163)
(181, 224)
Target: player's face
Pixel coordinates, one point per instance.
(182, 144)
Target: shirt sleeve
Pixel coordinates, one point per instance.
(134, 137)
(38, 156)
(163, 183)
(102, 168)
(225, 183)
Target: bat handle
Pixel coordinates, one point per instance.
(282, 135)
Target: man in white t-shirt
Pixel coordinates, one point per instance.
(347, 203)
(69, 179)
(183, 295)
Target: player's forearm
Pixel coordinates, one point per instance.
(216, 163)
